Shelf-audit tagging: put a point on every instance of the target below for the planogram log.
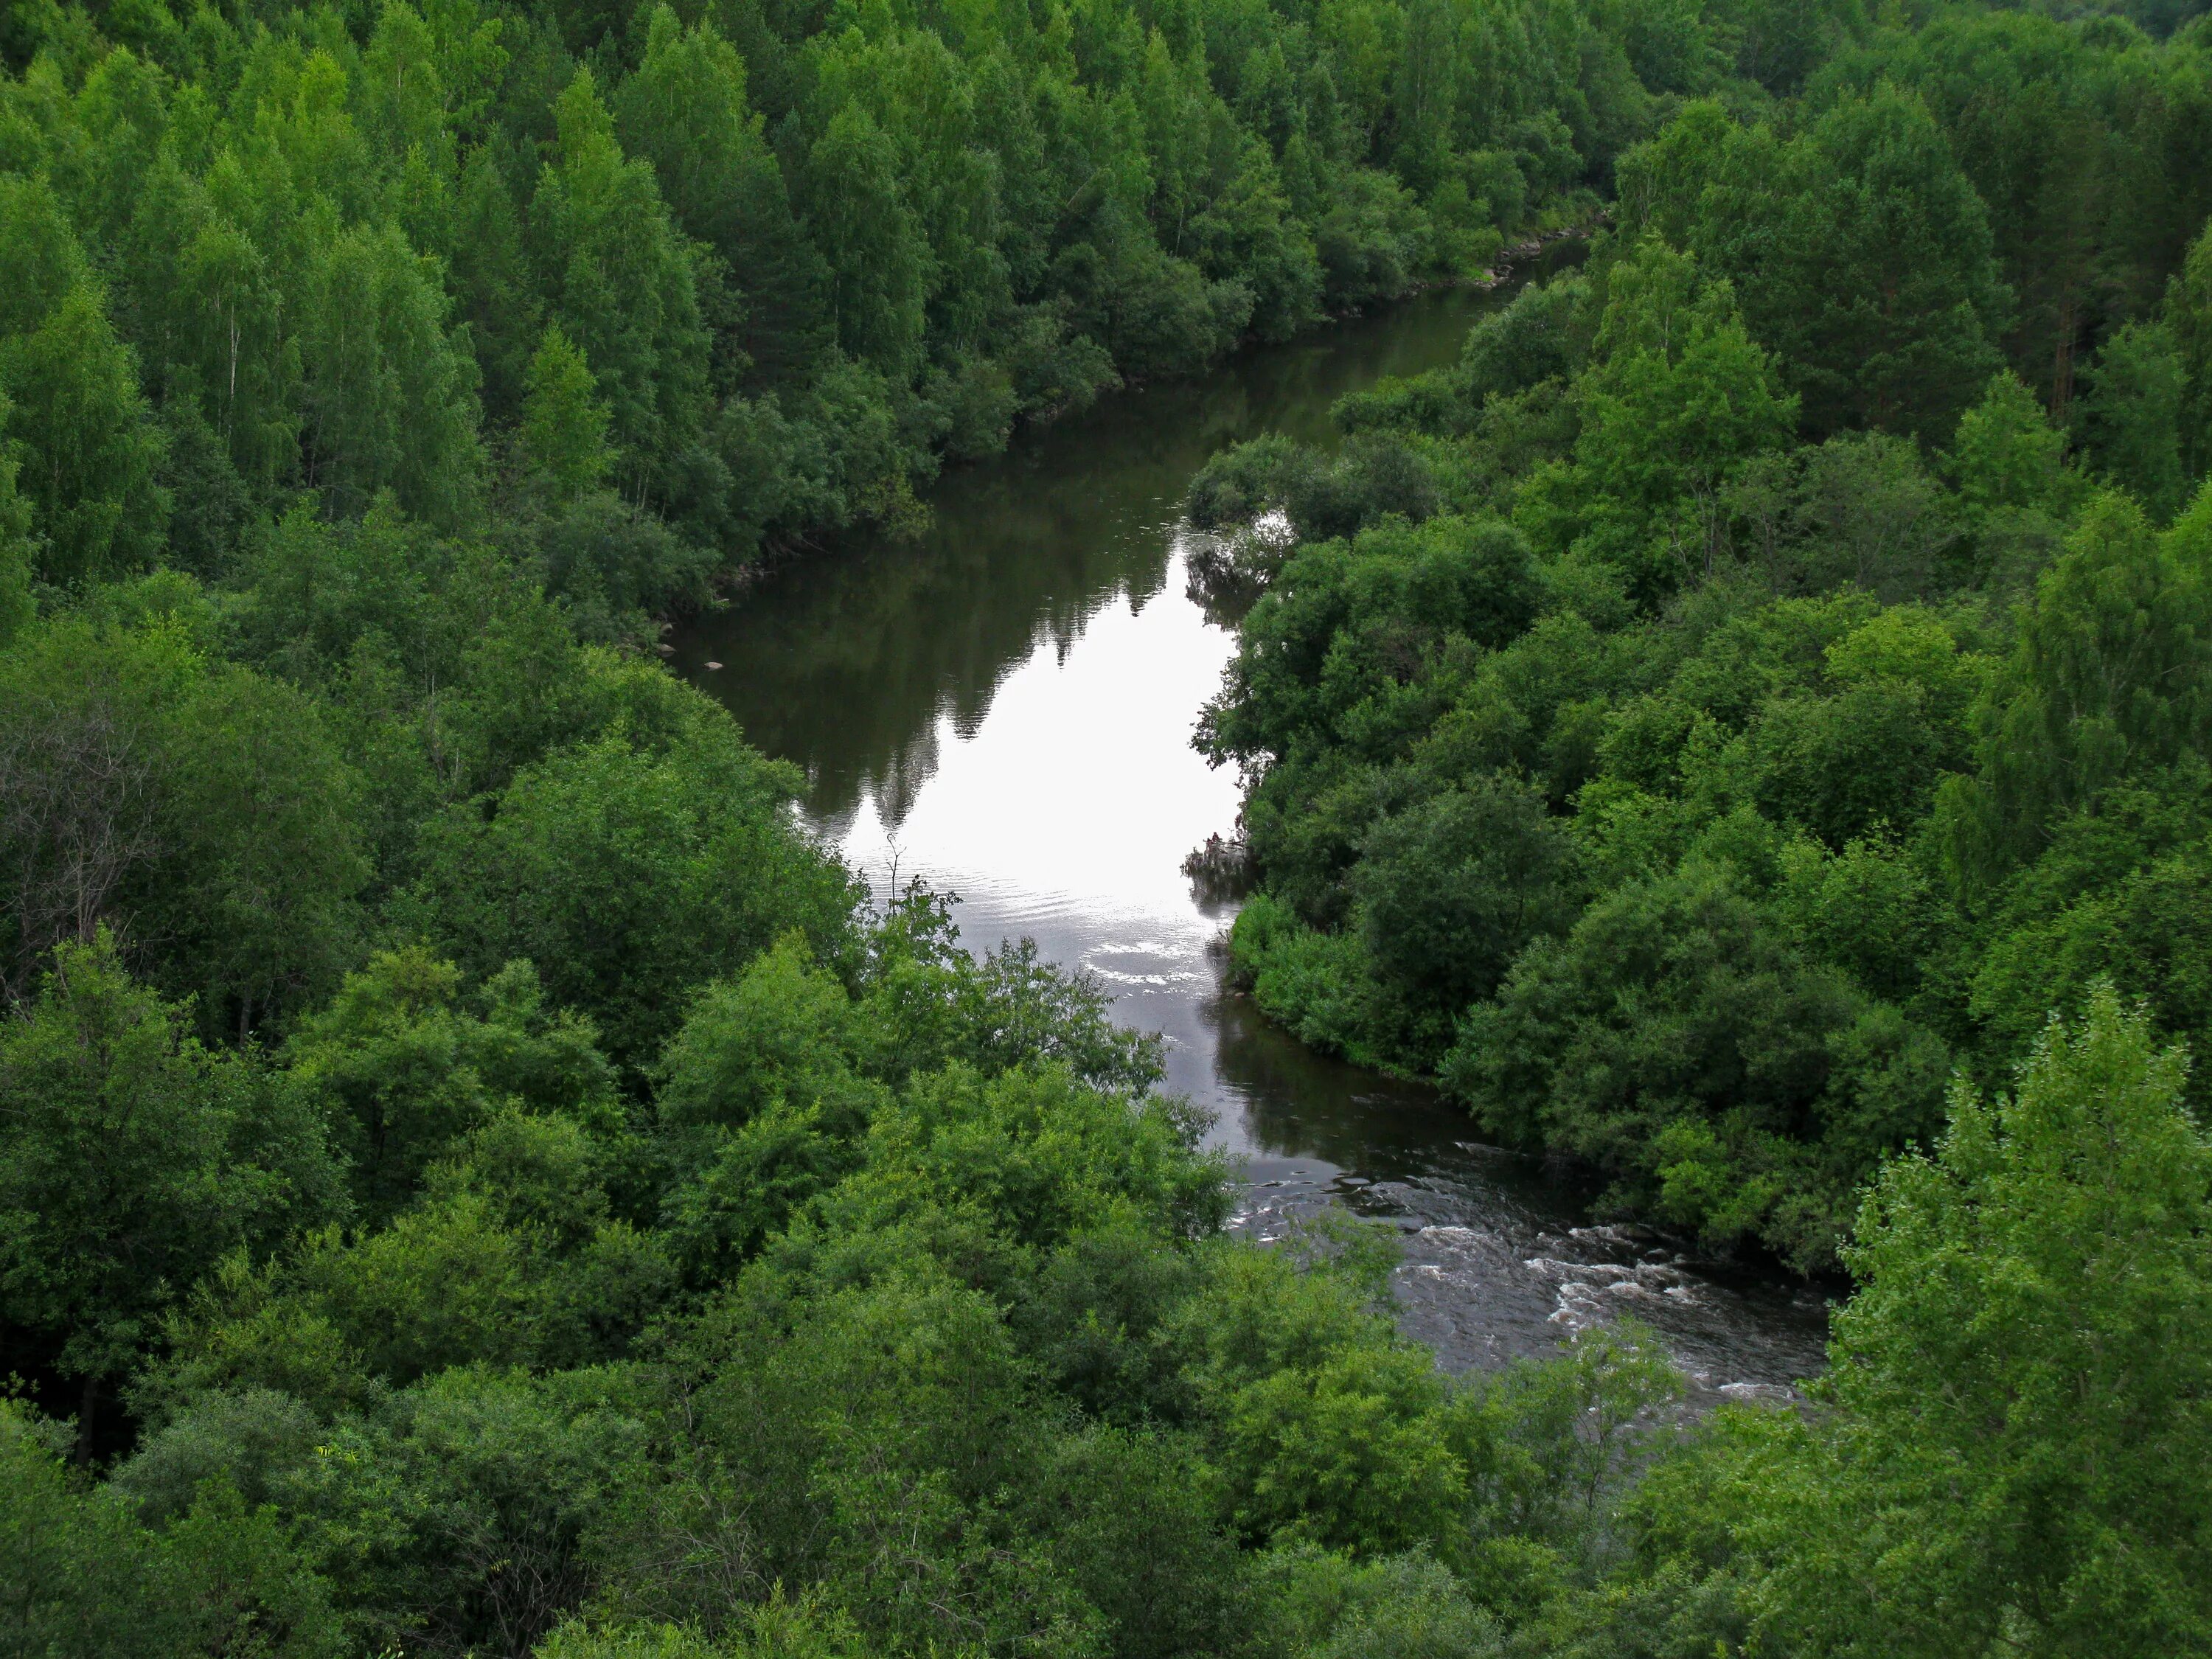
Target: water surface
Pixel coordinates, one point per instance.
(1004, 706)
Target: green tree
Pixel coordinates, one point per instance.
(402, 1068)
(880, 268)
(87, 446)
(1662, 182)
(1677, 398)
(2189, 314)
(1675, 1041)
(2132, 416)
(211, 308)
(130, 1159)
(79, 796)
(630, 879)
(2114, 898)
(760, 1107)
(686, 110)
(1451, 890)
(773, 1630)
(2107, 681)
(1318, 1603)
(490, 279)
(895, 1408)
(391, 396)
(564, 423)
(2011, 1427)
(17, 605)
(620, 282)
(83, 1578)
(254, 901)
(459, 1519)
(202, 811)
(1869, 271)
(2005, 455)
(1868, 513)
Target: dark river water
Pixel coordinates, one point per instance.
(1004, 705)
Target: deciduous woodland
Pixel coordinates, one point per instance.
(478, 1178)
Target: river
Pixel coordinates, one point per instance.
(1004, 705)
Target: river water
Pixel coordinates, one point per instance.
(1004, 706)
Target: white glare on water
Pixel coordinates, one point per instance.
(1078, 794)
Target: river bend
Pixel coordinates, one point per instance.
(1004, 706)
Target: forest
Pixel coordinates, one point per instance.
(1768, 674)
(478, 1178)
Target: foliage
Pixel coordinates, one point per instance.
(1833, 630)
(84, 1576)
(750, 271)
(484, 1181)
(2045, 1263)
(1997, 1453)
(131, 1159)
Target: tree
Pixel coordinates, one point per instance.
(1320, 1605)
(212, 315)
(2027, 105)
(686, 111)
(459, 1519)
(630, 879)
(2189, 314)
(1661, 183)
(2005, 455)
(1868, 514)
(253, 907)
(1672, 1039)
(87, 447)
(2011, 1429)
(759, 1108)
(402, 1068)
(619, 281)
(1452, 888)
(17, 607)
(491, 283)
(79, 780)
(201, 811)
(2111, 679)
(2114, 897)
(1677, 398)
(2132, 415)
(1867, 268)
(772, 1630)
(564, 424)
(130, 1159)
(880, 269)
(1846, 766)
(83, 1577)
(390, 395)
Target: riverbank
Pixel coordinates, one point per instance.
(1506, 272)
(1004, 707)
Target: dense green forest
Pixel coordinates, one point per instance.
(1771, 672)
(634, 294)
(477, 1178)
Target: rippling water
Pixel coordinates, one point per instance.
(1004, 705)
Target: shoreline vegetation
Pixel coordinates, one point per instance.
(1500, 272)
(476, 1178)
(731, 581)
(1587, 772)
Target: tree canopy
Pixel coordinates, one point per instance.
(478, 1177)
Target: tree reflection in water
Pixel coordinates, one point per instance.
(1004, 706)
